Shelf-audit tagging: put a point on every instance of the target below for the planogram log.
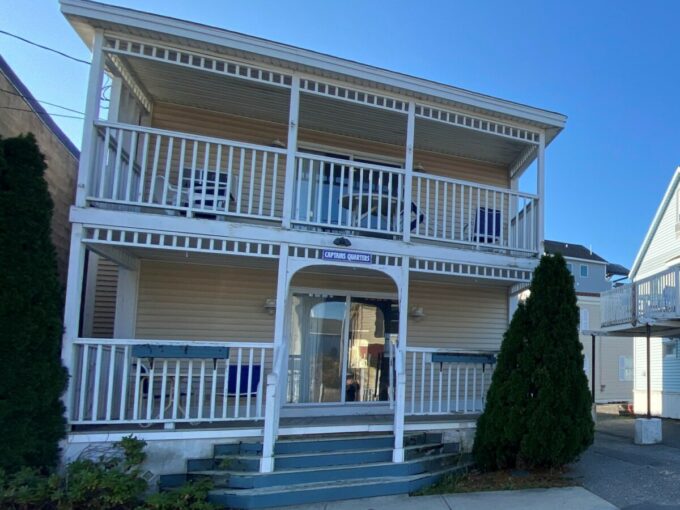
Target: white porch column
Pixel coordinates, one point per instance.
(276, 380)
(94, 90)
(540, 191)
(74, 287)
(291, 149)
(400, 361)
(408, 168)
(126, 303)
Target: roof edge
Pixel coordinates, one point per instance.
(552, 121)
(655, 223)
(35, 105)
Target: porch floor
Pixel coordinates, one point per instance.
(300, 425)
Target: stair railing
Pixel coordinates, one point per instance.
(272, 410)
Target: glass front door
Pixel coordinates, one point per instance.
(340, 349)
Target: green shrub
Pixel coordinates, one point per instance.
(33, 379)
(191, 496)
(538, 410)
(110, 482)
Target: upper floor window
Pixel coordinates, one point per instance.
(570, 267)
(584, 271)
(670, 347)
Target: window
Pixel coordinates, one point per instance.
(584, 323)
(570, 267)
(584, 271)
(670, 347)
(625, 368)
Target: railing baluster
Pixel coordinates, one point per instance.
(414, 373)
(116, 171)
(123, 393)
(106, 162)
(237, 397)
(258, 398)
(431, 386)
(190, 382)
(263, 183)
(131, 165)
(218, 181)
(474, 389)
(436, 208)
(439, 391)
(250, 381)
(109, 386)
(83, 382)
(164, 389)
(251, 185)
(448, 390)
(177, 395)
(465, 407)
(213, 390)
(149, 393)
(230, 177)
(241, 169)
(136, 403)
(97, 378)
(225, 392)
(201, 389)
(274, 186)
(457, 388)
(422, 382)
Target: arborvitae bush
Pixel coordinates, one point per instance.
(32, 378)
(538, 411)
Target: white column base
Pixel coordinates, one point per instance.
(647, 430)
(266, 464)
(398, 455)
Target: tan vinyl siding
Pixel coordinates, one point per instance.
(196, 302)
(104, 311)
(458, 316)
(319, 280)
(665, 245)
(608, 387)
(198, 121)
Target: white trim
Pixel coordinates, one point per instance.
(589, 261)
(79, 10)
(408, 167)
(540, 191)
(92, 104)
(345, 293)
(159, 224)
(655, 224)
(291, 151)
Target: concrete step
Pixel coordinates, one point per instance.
(282, 495)
(319, 458)
(290, 477)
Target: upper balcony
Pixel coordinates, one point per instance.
(217, 134)
(651, 300)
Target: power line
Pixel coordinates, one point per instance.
(44, 47)
(41, 101)
(41, 113)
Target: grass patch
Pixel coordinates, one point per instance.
(505, 480)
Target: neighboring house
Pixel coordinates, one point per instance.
(21, 113)
(304, 245)
(613, 355)
(651, 305)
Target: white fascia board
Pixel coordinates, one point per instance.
(655, 224)
(274, 234)
(589, 261)
(220, 37)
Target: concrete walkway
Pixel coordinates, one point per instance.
(567, 498)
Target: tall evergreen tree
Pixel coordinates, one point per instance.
(32, 378)
(559, 420)
(538, 411)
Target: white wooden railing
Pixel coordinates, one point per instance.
(339, 194)
(462, 212)
(111, 384)
(140, 167)
(652, 298)
(442, 387)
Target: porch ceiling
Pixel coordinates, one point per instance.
(170, 83)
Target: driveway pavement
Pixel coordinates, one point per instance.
(631, 476)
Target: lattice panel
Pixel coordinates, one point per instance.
(194, 60)
(477, 124)
(472, 270)
(178, 242)
(353, 95)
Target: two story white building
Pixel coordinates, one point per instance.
(302, 244)
(649, 310)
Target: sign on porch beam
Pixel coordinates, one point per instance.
(347, 256)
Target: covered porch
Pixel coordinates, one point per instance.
(250, 339)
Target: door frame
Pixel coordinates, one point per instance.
(348, 295)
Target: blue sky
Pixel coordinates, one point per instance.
(611, 67)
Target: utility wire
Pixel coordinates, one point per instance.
(41, 101)
(41, 113)
(44, 47)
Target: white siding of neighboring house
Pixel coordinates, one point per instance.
(665, 372)
(665, 244)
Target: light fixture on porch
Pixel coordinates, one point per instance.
(419, 168)
(342, 241)
(270, 305)
(417, 313)
(278, 143)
